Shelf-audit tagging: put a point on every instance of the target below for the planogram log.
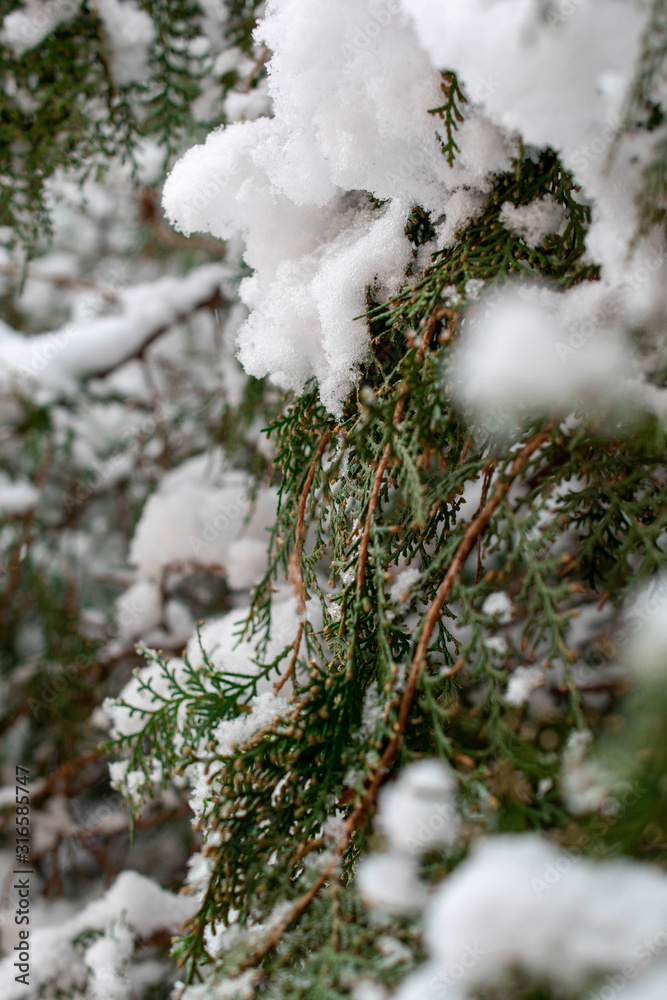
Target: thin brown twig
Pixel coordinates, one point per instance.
(482, 503)
(292, 663)
(261, 59)
(211, 301)
(295, 571)
(43, 785)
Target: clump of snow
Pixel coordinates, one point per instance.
(514, 358)
(350, 121)
(586, 786)
(522, 683)
(403, 583)
(525, 904)
(143, 693)
(17, 496)
(557, 79)
(263, 708)
(130, 33)
(26, 27)
(535, 221)
(464, 205)
(139, 609)
(646, 653)
(499, 604)
(417, 812)
(219, 639)
(198, 518)
(134, 907)
(389, 882)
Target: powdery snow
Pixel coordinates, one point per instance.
(535, 221)
(351, 91)
(515, 359)
(199, 517)
(417, 812)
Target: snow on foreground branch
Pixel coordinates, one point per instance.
(293, 189)
(351, 124)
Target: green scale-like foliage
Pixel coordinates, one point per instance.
(270, 796)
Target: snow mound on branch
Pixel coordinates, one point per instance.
(351, 92)
(94, 346)
(219, 638)
(530, 905)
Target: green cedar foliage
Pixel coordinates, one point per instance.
(386, 485)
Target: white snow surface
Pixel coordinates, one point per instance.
(417, 812)
(519, 902)
(200, 517)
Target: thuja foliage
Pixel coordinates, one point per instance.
(559, 516)
(401, 480)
